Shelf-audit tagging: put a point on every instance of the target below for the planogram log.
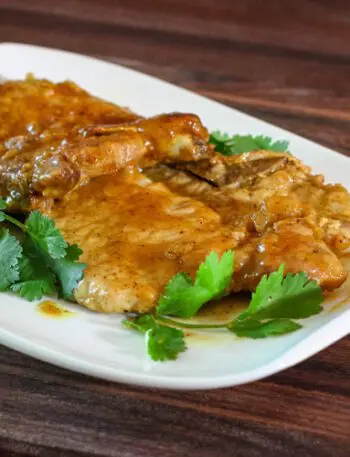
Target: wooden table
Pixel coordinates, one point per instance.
(285, 61)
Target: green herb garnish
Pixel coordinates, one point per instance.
(35, 278)
(183, 298)
(43, 263)
(277, 300)
(275, 296)
(162, 342)
(237, 144)
(259, 329)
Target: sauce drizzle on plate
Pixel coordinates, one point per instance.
(49, 308)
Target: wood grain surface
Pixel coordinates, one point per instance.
(287, 62)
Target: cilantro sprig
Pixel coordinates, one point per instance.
(276, 302)
(35, 279)
(183, 298)
(237, 144)
(42, 263)
(162, 342)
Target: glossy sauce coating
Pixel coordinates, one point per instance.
(286, 214)
(135, 236)
(56, 137)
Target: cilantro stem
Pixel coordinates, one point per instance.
(15, 222)
(175, 323)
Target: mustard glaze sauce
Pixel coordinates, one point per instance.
(49, 308)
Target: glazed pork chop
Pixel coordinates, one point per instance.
(136, 235)
(287, 214)
(147, 198)
(56, 137)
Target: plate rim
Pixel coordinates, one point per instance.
(323, 337)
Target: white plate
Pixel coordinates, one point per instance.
(97, 344)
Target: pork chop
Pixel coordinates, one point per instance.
(55, 137)
(137, 233)
(287, 214)
(135, 236)
(78, 159)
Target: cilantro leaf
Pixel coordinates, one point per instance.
(45, 241)
(252, 328)
(35, 278)
(183, 298)
(214, 274)
(35, 285)
(47, 258)
(278, 299)
(238, 144)
(141, 323)
(44, 232)
(10, 253)
(33, 289)
(69, 272)
(162, 342)
(74, 251)
(292, 297)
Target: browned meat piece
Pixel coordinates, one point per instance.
(286, 214)
(136, 235)
(273, 187)
(292, 242)
(55, 137)
(256, 189)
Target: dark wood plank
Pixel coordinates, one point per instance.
(304, 409)
(286, 62)
(307, 25)
(319, 116)
(267, 79)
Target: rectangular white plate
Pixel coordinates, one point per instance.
(97, 344)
